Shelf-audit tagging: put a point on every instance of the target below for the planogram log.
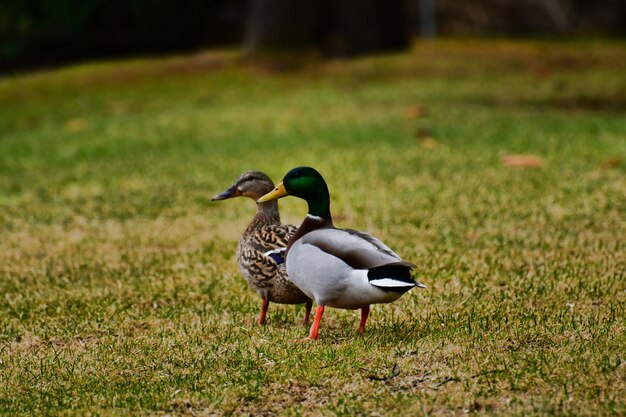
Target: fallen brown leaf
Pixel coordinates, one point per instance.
(423, 132)
(415, 112)
(426, 139)
(522, 161)
(428, 142)
(611, 163)
(76, 125)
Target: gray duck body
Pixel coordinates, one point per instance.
(332, 266)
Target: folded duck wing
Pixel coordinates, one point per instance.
(357, 249)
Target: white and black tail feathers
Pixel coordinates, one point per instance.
(393, 277)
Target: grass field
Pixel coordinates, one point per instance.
(119, 291)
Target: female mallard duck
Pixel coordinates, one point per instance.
(260, 252)
(339, 268)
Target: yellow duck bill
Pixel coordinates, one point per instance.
(276, 193)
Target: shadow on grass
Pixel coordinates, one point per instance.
(610, 103)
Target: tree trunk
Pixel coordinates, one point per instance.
(339, 27)
(284, 24)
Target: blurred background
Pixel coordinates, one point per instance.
(50, 32)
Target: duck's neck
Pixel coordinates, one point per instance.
(319, 206)
(266, 214)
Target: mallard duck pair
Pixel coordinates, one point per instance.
(339, 268)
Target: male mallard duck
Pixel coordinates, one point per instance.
(262, 245)
(339, 268)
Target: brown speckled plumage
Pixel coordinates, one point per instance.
(264, 233)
